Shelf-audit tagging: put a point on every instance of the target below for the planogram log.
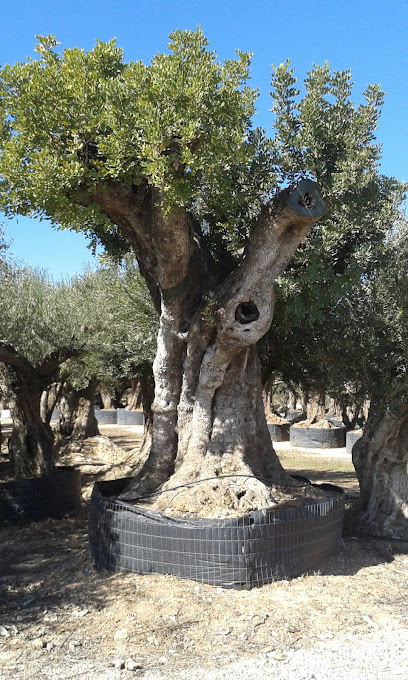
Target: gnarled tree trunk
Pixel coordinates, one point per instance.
(208, 415)
(135, 397)
(31, 443)
(380, 458)
(107, 395)
(267, 394)
(77, 412)
(49, 400)
(316, 407)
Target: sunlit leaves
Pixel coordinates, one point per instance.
(74, 119)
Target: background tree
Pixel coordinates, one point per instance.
(119, 336)
(163, 158)
(376, 359)
(37, 336)
(325, 135)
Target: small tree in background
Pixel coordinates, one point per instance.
(119, 335)
(37, 335)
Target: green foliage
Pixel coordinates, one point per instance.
(72, 121)
(120, 324)
(325, 136)
(35, 313)
(106, 313)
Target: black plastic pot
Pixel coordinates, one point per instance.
(279, 433)
(242, 552)
(351, 438)
(295, 416)
(40, 498)
(108, 417)
(337, 422)
(125, 417)
(314, 437)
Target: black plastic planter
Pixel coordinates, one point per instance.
(279, 433)
(337, 422)
(242, 552)
(107, 417)
(351, 438)
(314, 437)
(35, 499)
(125, 417)
(295, 416)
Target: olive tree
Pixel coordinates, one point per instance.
(378, 341)
(163, 158)
(37, 336)
(119, 341)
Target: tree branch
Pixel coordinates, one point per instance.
(245, 300)
(54, 359)
(13, 359)
(163, 244)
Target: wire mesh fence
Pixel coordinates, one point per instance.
(241, 552)
(36, 499)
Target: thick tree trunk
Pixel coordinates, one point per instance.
(267, 395)
(77, 412)
(107, 395)
(380, 458)
(31, 444)
(49, 400)
(135, 397)
(208, 414)
(292, 401)
(316, 407)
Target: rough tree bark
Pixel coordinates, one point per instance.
(49, 400)
(316, 406)
(267, 394)
(31, 443)
(135, 397)
(77, 412)
(380, 458)
(107, 395)
(208, 416)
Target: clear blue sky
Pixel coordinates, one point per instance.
(370, 38)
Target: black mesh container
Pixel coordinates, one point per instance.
(125, 417)
(279, 433)
(36, 499)
(314, 437)
(107, 417)
(243, 552)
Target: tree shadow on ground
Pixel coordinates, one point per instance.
(345, 479)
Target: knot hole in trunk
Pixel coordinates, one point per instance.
(246, 312)
(307, 201)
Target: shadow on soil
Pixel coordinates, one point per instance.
(47, 566)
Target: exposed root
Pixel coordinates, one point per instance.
(221, 497)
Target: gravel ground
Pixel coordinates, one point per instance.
(378, 656)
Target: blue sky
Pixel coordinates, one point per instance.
(370, 38)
